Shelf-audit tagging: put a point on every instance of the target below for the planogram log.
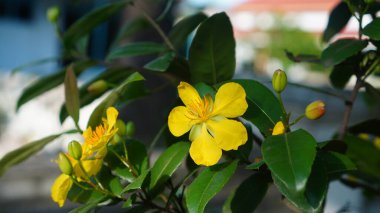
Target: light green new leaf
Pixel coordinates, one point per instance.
(71, 94)
(212, 52)
(19, 155)
(136, 49)
(209, 182)
(290, 157)
(247, 196)
(372, 29)
(167, 164)
(340, 50)
(88, 22)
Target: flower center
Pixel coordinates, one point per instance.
(97, 134)
(201, 109)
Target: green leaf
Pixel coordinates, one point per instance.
(131, 200)
(21, 154)
(209, 182)
(137, 155)
(369, 126)
(71, 94)
(248, 195)
(109, 181)
(131, 27)
(97, 114)
(302, 57)
(340, 50)
(184, 27)
(372, 29)
(115, 164)
(335, 163)
(48, 82)
(87, 23)
(316, 188)
(167, 164)
(136, 49)
(255, 165)
(372, 91)
(338, 19)
(342, 72)
(35, 63)
(264, 109)
(290, 157)
(90, 205)
(160, 64)
(113, 75)
(137, 183)
(212, 52)
(79, 195)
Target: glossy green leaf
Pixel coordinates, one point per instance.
(373, 29)
(248, 195)
(160, 64)
(290, 157)
(136, 49)
(21, 154)
(212, 52)
(338, 19)
(109, 181)
(113, 75)
(342, 72)
(369, 126)
(87, 23)
(340, 50)
(137, 183)
(372, 91)
(335, 163)
(98, 113)
(137, 155)
(167, 164)
(209, 182)
(263, 107)
(48, 82)
(181, 30)
(71, 94)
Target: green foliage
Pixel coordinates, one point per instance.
(340, 50)
(338, 19)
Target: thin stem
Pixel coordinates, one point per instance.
(319, 91)
(78, 127)
(298, 119)
(371, 68)
(126, 163)
(348, 109)
(282, 104)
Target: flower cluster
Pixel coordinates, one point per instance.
(211, 130)
(84, 161)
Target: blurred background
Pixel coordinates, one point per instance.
(264, 30)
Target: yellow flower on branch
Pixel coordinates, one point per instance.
(279, 128)
(60, 188)
(211, 130)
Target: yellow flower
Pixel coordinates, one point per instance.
(207, 120)
(96, 141)
(60, 188)
(377, 142)
(279, 128)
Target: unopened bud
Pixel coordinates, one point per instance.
(122, 129)
(315, 110)
(64, 164)
(75, 150)
(97, 87)
(279, 80)
(279, 128)
(130, 129)
(53, 14)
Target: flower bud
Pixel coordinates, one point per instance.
(279, 128)
(130, 129)
(75, 150)
(52, 14)
(315, 110)
(279, 80)
(64, 164)
(122, 129)
(97, 87)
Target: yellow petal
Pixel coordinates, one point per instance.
(112, 114)
(228, 134)
(188, 94)
(279, 128)
(92, 167)
(204, 150)
(60, 188)
(178, 121)
(230, 101)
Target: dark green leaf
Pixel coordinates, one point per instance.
(97, 114)
(46, 83)
(137, 155)
(87, 23)
(372, 91)
(373, 29)
(160, 64)
(167, 164)
(255, 165)
(338, 19)
(179, 67)
(263, 107)
(333, 145)
(109, 181)
(369, 126)
(340, 50)
(71, 94)
(79, 195)
(290, 157)
(209, 182)
(335, 162)
(184, 27)
(204, 89)
(316, 188)
(248, 195)
(90, 205)
(131, 200)
(118, 168)
(136, 49)
(35, 63)
(137, 183)
(131, 27)
(342, 72)
(19, 155)
(212, 52)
